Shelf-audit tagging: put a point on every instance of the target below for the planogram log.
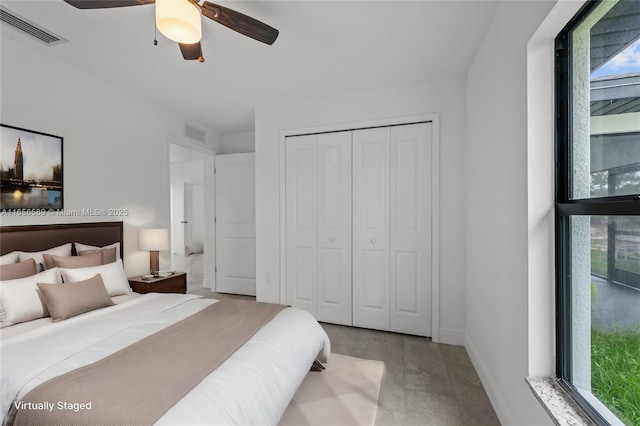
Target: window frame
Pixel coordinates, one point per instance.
(566, 206)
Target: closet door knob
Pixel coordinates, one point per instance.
(373, 241)
(331, 239)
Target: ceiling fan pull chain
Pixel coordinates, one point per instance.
(155, 35)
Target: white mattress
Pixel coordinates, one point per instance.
(253, 387)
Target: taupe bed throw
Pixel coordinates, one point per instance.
(138, 384)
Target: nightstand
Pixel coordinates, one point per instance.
(176, 283)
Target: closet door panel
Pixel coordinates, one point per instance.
(410, 233)
(301, 222)
(303, 274)
(334, 228)
(406, 266)
(330, 272)
(375, 293)
(371, 185)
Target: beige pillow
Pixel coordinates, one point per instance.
(14, 271)
(70, 299)
(108, 255)
(53, 261)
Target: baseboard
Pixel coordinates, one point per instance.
(451, 337)
(499, 405)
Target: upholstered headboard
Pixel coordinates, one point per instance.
(42, 237)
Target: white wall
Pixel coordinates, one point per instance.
(238, 143)
(444, 97)
(116, 151)
(497, 270)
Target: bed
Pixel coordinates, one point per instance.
(251, 386)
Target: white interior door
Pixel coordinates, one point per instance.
(371, 209)
(301, 222)
(187, 221)
(318, 221)
(410, 232)
(334, 228)
(235, 224)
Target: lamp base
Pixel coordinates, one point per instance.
(154, 262)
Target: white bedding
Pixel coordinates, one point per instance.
(23, 327)
(253, 387)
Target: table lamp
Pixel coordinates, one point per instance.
(154, 240)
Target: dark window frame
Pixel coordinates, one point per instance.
(566, 206)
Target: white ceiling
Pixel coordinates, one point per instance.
(324, 47)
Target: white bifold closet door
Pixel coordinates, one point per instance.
(392, 228)
(318, 225)
(358, 227)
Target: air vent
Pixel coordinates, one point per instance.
(195, 133)
(29, 28)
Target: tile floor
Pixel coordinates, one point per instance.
(424, 383)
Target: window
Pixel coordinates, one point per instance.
(598, 209)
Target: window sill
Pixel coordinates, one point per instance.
(560, 407)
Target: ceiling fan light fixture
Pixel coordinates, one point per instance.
(179, 20)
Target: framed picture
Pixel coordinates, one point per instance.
(31, 170)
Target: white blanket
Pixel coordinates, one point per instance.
(253, 387)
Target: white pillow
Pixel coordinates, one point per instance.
(8, 258)
(115, 281)
(63, 250)
(82, 247)
(21, 299)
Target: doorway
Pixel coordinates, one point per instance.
(192, 243)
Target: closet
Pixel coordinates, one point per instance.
(358, 226)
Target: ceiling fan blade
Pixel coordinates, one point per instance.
(192, 52)
(106, 4)
(240, 22)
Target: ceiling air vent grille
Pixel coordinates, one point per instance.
(29, 28)
(195, 133)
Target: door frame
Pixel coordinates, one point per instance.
(207, 155)
(434, 118)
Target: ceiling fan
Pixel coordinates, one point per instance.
(179, 20)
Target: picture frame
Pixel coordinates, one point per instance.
(31, 170)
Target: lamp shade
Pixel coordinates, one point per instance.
(154, 239)
(179, 21)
